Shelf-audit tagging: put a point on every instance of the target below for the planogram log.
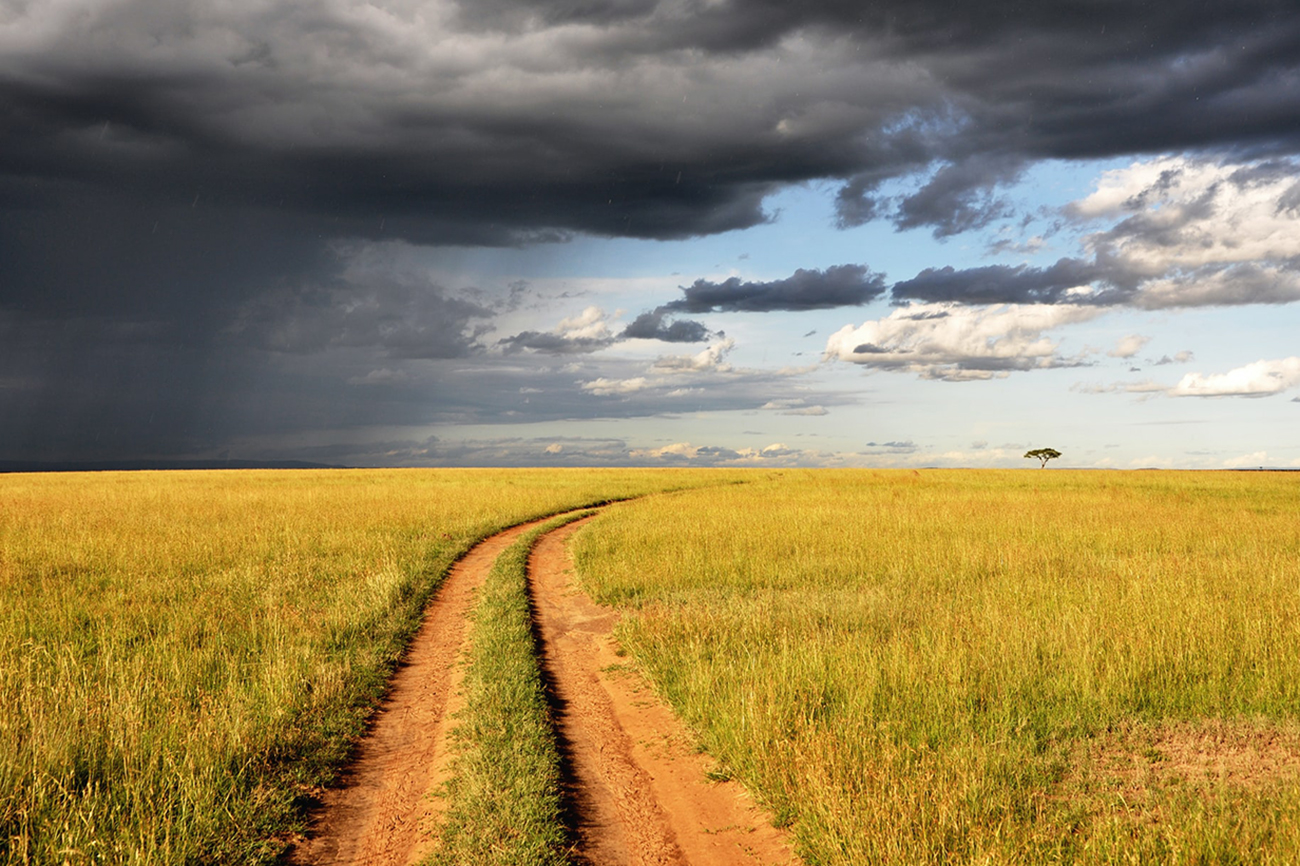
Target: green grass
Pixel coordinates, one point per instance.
(184, 654)
(503, 799)
(982, 667)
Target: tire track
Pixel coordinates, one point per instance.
(382, 814)
(637, 791)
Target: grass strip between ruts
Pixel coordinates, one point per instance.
(503, 798)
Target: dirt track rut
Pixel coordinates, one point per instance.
(636, 791)
(382, 814)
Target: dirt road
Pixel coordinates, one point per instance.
(635, 790)
(383, 813)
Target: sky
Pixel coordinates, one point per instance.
(651, 232)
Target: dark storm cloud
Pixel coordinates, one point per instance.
(512, 119)
(837, 286)
(960, 196)
(554, 344)
(395, 319)
(91, 389)
(174, 175)
(1001, 284)
(657, 325)
(92, 252)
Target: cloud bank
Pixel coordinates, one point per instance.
(956, 343)
(1260, 379)
(184, 186)
(838, 286)
(1182, 232)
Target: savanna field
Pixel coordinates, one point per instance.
(1031, 666)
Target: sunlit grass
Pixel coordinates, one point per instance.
(972, 667)
(965, 667)
(183, 654)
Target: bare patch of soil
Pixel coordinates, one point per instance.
(1242, 754)
(1141, 774)
(637, 790)
(381, 813)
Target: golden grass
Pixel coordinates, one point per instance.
(950, 666)
(183, 655)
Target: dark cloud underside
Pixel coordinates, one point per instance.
(657, 325)
(553, 344)
(994, 284)
(175, 176)
(503, 121)
(837, 286)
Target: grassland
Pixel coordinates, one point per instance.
(982, 667)
(183, 655)
(935, 667)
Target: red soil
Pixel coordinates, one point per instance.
(636, 790)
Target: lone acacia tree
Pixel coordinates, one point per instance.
(1043, 454)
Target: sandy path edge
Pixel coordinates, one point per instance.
(380, 813)
(636, 789)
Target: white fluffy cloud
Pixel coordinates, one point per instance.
(1257, 458)
(712, 358)
(1259, 379)
(1129, 346)
(794, 406)
(1194, 232)
(603, 387)
(674, 373)
(590, 324)
(956, 343)
(586, 332)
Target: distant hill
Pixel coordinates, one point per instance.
(128, 465)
